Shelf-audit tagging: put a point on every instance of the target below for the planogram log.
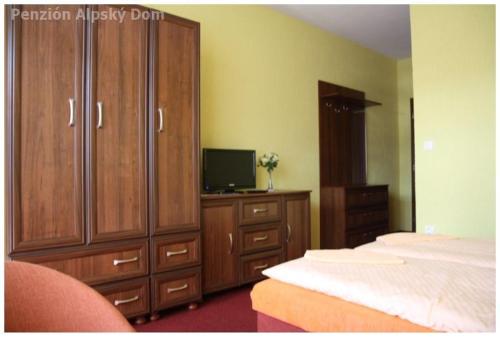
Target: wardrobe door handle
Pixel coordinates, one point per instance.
(123, 261)
(125, 301)
(71, 112)
(160, 113)
(230, 243)
(99, 114)
(289, 228)
(170, 290)
(175, 253)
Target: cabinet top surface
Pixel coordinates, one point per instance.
(250, 195)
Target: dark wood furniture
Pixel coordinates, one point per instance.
(243, 234)
(343, 169)
(354, 215)
(102, 153)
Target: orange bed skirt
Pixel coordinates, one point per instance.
(316, 312)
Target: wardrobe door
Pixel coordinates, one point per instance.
(117, 126)
(44, 129)
(174, 125)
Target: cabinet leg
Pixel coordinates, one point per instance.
(154, 316)
(193, 306)
(140, 320)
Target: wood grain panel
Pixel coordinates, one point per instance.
(98, 264)
(117, 160)
(131, 297)
(174, 288)
(45, 70)
(298, 226)
(251, 266)
(260, 210)
(260, 237)
(175, 77)
(220, 256)
(175, 251)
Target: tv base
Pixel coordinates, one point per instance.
(224, 192)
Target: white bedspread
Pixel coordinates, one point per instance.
(444, 296)
(466, 251)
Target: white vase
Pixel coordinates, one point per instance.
(270, 186)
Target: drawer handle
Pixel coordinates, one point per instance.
(175, 253)
(260, 267)
(259, 239)
(125, 301)
(259, 210)
(180, 288)
(123, 261)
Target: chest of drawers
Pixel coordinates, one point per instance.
(244, 234)
(353, 215)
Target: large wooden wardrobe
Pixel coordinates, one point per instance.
(102, 131)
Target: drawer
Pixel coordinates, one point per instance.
(360, 219)
(366, 196)
(354, 239)
(98, 264)
(130, 297)
(175, 288)
(260, 210)
(175, 251)
(251, 266)
(256, 238)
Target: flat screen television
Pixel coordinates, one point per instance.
(228, 169)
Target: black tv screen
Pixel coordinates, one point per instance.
(228, 169)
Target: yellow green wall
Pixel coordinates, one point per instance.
(405, 92)
(453, 55)
(259, 74)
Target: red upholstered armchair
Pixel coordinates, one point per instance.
(39, 299)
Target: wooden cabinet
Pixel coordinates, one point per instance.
(102, 151)
(44, 94)
(220, 244)
(353, 215)
(243, 234)
(297, 220)
(117, 127)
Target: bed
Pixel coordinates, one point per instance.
(444, 285)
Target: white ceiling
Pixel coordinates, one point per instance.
(383, 28)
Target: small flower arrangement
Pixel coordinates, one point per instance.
(269, 161)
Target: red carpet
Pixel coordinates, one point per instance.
(230, 311)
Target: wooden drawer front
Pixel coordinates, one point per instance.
(359, 219)
(253, 211)
(366, 196)
(260, 237)
(175, 251)
(99, 264)
(251, 266)
(130, 297)
(359, 238)
(174, 288)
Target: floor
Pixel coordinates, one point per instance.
(228, 311)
